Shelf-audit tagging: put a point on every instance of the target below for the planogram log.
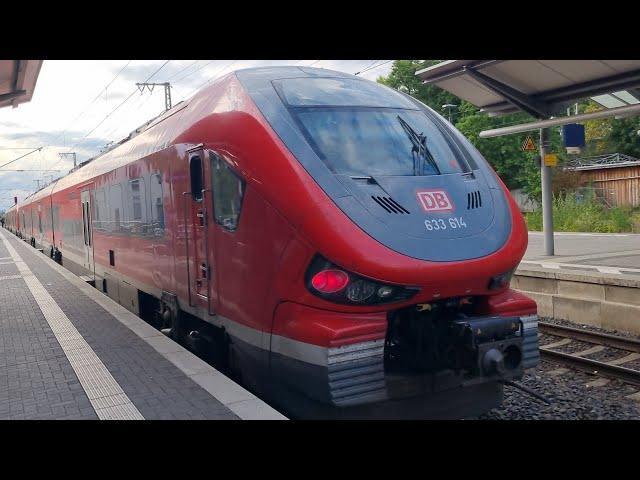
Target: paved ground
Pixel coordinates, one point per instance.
(607, 253)
(68, 352)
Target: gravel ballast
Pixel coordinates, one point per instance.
(570, 397)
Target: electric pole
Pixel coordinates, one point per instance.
(66, 154)
(167, 91)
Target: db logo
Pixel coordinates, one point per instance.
(435, 201)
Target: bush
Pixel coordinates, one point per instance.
(574, 213)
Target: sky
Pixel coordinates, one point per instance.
(78, 107)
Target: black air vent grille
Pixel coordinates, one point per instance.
(474, 200)
(390, 205)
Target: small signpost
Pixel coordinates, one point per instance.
(573, 137)
(550, 160)
(528, 145)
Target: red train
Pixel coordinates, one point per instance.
(335, 243)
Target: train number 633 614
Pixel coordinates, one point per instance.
(441, 223)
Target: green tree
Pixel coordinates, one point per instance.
(596, 132)
(624, 137)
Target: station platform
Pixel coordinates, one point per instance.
(608, 253)
(69, 352)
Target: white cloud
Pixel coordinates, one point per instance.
(64, 107)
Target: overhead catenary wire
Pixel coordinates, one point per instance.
(116, 108)
(373, 67)
(21, 156)
(17, 148)
(80, 114)
(370, 65)
(218, 73)
(93, 101)
(196, 70)
(182, 70)
(131, 107)
(82, 140)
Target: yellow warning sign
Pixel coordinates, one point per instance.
(528, 145)
(550, 160)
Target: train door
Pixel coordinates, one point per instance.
(87, 234)
(202, 290)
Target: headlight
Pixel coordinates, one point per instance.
(328, 281)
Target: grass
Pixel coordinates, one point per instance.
(586, 214)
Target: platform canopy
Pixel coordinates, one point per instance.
(542, 88)
(18, 81)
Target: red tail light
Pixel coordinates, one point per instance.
(330, 281)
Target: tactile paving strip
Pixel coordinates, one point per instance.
(105, 394)
(10, 277)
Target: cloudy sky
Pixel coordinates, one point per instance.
(82, 105)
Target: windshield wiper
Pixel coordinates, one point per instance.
(419, 151)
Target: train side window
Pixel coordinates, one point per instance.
(157, 207)
(39, 221)
(101, 210)
(138, 205)
(228, 192)
(195, 169)
(115, 208)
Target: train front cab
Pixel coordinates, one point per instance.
(398, 178)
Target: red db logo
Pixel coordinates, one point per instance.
(435, 201)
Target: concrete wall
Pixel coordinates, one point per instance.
(602, 300)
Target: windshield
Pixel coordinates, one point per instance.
(364, 141)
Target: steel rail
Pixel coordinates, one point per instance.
(593, 366)
(608, 340)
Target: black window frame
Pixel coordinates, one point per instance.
(141, 195)
(214, 156)
(152, 210)
(463, 156)
(197, 196)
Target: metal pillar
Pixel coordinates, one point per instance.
(555, 122)
(167, 91)
(167, 96)
(547, 196)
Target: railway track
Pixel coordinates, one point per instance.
(612, 369)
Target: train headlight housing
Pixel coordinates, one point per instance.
(501, 281)
(328, 281)
(360, 290)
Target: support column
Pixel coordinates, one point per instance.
(547, 196)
